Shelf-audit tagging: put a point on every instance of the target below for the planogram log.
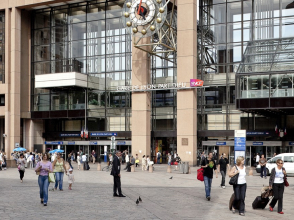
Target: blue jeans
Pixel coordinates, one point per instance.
(44, 185)
(240, 193)
(59, 179)
(262, 171)
(207, 184)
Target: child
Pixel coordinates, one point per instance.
(71, 178)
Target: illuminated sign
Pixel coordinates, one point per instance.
(196, 82)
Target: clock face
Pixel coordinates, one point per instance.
(142, 12)
(144, 18)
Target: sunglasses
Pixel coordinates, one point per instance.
(281, 163)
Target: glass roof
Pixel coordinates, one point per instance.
(267, 56)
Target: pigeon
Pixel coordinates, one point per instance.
(170, 178)
(140, 199)
(137, 202)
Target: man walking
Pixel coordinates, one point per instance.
(158, 157)
(115, 172)
(209, 165)
(222, 168)
(262, 163)
(127, 160)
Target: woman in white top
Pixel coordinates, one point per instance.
(277, 183)
(240, 187)
(79, 160)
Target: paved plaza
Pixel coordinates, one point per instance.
(181, 197)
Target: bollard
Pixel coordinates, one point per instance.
(133, 168)
(150, 169)
(189, 172)
(99, 167)
(251, 172)
(82, 166)
(169, 169)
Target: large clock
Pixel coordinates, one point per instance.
(143, 18)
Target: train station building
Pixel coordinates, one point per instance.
(77, 73)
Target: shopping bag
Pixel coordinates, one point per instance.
(51, 177)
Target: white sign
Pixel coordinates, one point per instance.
(105, 149)
(240, 133)
(16, 145)
(152, 87)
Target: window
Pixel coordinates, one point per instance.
(2, 100)
(274, 160)
(289, 159)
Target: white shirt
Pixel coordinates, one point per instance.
(257, 158)
(148, 161)
(242, 175)
(279, 177)
(127, 158)
(175, 155)
(53, 157)
(0, 156)
(84, 158)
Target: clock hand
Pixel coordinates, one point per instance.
(139, 7)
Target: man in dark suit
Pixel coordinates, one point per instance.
(115, 172)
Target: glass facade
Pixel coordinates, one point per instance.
(227, 29)
(2, 47)
(88, 38)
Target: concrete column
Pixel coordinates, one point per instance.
(141, 131)
(12, 77)
(186, 70)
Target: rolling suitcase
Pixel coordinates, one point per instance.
(231, 202)
(260, 203)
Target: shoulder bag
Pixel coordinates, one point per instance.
(234, 179)
(51, 177)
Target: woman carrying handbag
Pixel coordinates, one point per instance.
(240, 185)
(44, 167)
(277, 182)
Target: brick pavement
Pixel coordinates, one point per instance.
(183, 197)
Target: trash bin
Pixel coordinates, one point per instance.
(186, 168)
(182, 166)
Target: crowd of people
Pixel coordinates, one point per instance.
(276, 181)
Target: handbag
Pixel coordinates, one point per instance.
(286, 181)
(200, 174)
(234, 179)
(51, 177)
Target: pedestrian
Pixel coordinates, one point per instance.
(223, 164)
(94, 156)
(71, 178)
(276, 182)
(240, 187)
(132, 163)
(115, 172)
(178, 160)
(59, 169)
(79, 160)
(69, 160)
(137, 160)
(4, 164)
(262, 163)
(143, 163)
(110, 159)
(257, 159)
(21, 166)
(28, 157)
(127, 160)
(44, 167)
(31, 160)
(158, 155)
(209, 165)
(169, 159)
(84, 160)
(148, 162)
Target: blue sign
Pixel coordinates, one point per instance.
(71, 143)
(257, 143)
(70, 135)
(240, 143)
(257, 133)
(221, 143)
(121, 143)
(103, 134)
(291, 143)
(93, 142)
(54, 142)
